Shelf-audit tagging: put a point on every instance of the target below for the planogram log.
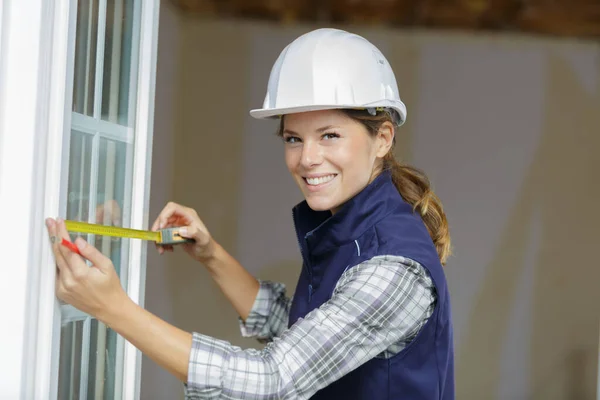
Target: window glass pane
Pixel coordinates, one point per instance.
(85, 57)
(111, 196)
(102, 363)
(69, 372)
(80, 165)
(117, 62)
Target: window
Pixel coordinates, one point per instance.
(100, 180)
(77, 79)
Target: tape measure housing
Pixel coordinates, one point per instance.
(171, 236)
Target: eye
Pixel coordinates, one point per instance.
(330, 136)
(291, 139)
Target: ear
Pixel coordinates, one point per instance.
(385, 139)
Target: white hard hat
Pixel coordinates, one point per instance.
(331, 69)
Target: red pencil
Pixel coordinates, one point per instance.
(70, 245)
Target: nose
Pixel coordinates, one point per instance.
(311, 154)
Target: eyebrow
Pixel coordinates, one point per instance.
(320, 130)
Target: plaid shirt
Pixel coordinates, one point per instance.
(376, 309)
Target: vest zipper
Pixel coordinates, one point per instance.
(304, 259)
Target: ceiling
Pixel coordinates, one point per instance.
(564, 18)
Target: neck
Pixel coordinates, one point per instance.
(376, 172)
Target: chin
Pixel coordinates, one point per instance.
(320, 205)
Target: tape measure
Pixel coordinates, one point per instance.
(167, 236)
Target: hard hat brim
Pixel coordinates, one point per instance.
(269, 113)
(264, 113)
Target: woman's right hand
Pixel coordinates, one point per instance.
(176, 215)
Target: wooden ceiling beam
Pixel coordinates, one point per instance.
(559, 22)
(501, 14)
(578, 18)
(386, 12)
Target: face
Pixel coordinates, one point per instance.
(331, 156)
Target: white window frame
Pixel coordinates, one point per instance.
(36, 37)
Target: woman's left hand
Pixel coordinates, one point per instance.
(94, 289)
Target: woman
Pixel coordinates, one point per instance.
(370, 317)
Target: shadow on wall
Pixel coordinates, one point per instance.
(560, 194)
(286, 272)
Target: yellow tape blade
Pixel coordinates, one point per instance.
(104, 230)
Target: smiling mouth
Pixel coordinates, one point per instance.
(320, 180)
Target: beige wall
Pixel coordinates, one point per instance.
(506, 127)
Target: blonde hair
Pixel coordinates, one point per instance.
(412, 184)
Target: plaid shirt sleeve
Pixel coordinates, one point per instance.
(269, 315)
(375, 305)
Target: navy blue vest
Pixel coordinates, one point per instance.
(377, 221)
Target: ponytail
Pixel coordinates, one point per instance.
(413, 185)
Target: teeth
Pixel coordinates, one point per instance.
(320, 180)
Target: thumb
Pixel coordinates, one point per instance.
(93, 254)
(195, 233)
(189, 232)
(200, 236)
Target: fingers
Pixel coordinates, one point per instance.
(162, 248)
(159, 222)
(55, 239)
(116, 214)
(163, 215)
(74, 263)
(171, 213)
(109, 212)
(91, 253)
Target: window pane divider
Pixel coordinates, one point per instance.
(100, 59)
(71, 314)
(115, 66)
(72, 359)
(85, 358)
(105, 129)
(93, 199)
(88, 55)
